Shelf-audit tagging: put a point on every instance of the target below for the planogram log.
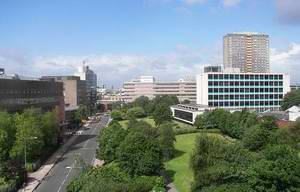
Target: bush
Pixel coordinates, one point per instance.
(112, 178)
(109, 141)
(117, 115)
(256, 137)
(166, 140)
(140, 154)
(135, 112)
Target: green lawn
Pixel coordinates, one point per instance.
(124, 123)
(149, 120)
(178, 168)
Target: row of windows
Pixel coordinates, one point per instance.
(246, 83)
(241, 97)
(244, 76)
(26, 91)
(183, 115)
(245, 90)
(244, 103)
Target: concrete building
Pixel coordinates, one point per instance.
(74, 89)
(17, 95)
(233, 91)
(188, 113)
(86, 74)
(148, 86)
(247, 51)
(236, 91)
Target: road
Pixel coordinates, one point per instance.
(83, 148)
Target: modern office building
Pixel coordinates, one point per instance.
(17, 95)
(236, 91)
(247, 51)
(148, 86)
(86, 74)
(74, 89)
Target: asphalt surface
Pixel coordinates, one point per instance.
(69, 166)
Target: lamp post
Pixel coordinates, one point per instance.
(25, 152)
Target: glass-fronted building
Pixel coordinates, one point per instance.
(235, 91)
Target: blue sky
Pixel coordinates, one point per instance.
(122, 39)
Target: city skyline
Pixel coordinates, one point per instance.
(169, 39)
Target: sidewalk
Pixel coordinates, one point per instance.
(34, 179)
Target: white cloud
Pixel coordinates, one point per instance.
(114, 68)
(287, 61)
(231, 3)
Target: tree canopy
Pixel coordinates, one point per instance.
(290, 99)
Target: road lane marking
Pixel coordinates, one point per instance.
(63, 182)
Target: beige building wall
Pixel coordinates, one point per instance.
(184, 90)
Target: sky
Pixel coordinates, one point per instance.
(123, 39)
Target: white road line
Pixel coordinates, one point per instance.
(63, 182)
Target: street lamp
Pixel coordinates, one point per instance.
(25, 154)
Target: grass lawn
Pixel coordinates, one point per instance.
(178, 168)
(149, 120)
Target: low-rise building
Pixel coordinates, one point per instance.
(17, 95)
(188, 113)
(148, 86)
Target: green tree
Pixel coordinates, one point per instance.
(200, 122)
(140, 154)
(166, 140)
(142, 102)
(117, 115)
(167, 100)
(7, 134)
(256, 137)
(162, 113)
(28, 131)
(50, 128)
(111, 178)
(268, 122)
(279, 170)
(216, 162)
(135, 112)
(109, 140)
(290, 99)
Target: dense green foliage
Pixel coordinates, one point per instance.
(117, 115)
(232, 124)
(140, 152)
(112, 178)
(166, 140)
(264, 158)
(133, 158)
(110, 139)
(161, 114)
(36, 130)
(136, 112)
(290, 99)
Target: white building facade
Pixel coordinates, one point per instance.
(236, 91)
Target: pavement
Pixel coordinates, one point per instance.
(66, 163)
